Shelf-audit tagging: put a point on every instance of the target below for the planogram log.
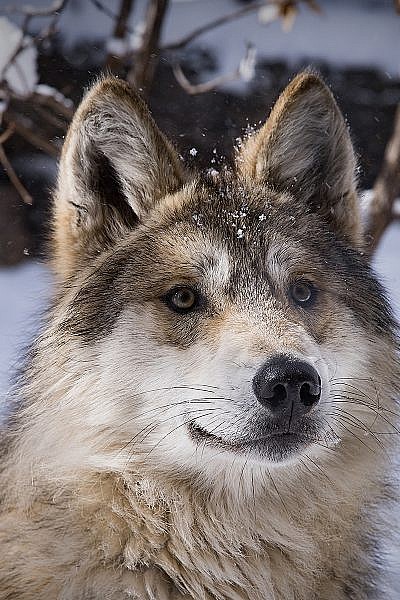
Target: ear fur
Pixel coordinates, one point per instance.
(305, 148)
(115, 166)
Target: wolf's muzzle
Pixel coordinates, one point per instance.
(288, 387)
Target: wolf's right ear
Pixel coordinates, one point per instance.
(304, 148)
(115, 166)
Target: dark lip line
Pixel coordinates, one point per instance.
(196, 431)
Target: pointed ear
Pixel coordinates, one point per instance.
(114, 167)
(305, 148)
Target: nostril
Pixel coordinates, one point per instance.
(307, 396)
(280, 393)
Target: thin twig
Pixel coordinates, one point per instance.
(243, 71)
(241, 12)
(52, 102)
(13, 177)
(109, 13)
(120, 29)
(7, 133)
(145, 59)
(386, 189)
(30, 136)
(51, 118)
(26, 40)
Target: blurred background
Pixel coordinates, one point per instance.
(210, 70)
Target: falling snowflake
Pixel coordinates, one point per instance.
(197, 218)
(193, 151)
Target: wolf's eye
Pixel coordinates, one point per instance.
(303, 293)
(182, 299)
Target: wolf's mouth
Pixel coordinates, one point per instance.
(276, 445)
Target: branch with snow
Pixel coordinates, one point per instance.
(19, 86)
(145, 58)
(245, 72)
(268, 11)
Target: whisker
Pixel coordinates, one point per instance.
(319, 468)
(351, 420)
(338, 420)
(158, 423)
(353, 387)
(204, 400)
(278, 494)
(378, 412)
(167, 434)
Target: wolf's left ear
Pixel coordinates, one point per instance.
(115, 165)
(305, 148)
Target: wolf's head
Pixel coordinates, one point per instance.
(204, 320)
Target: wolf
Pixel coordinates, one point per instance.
(211, 409)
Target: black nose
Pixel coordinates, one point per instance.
(286, 383)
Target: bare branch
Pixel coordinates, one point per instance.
(385, 190)
(7, 133)
(109, 13)
(26, 41)
(22, 191)
(241, 12)
(121, 24)
(245, 71)
(51, 102)
(120, 29)
(30, 136)
(141, 74)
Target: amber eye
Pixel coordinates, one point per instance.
(303, 293)
(182, 299)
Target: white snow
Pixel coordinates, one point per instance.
(247, 66)
(117, 46)
(21, 76)
(24, 291)
(47, 90)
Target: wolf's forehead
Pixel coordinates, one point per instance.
(198, 251)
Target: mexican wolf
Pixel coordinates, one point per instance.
(209, 411)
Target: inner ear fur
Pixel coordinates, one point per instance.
(304, 148)
(115, 165)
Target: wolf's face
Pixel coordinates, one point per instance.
(218, 318)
